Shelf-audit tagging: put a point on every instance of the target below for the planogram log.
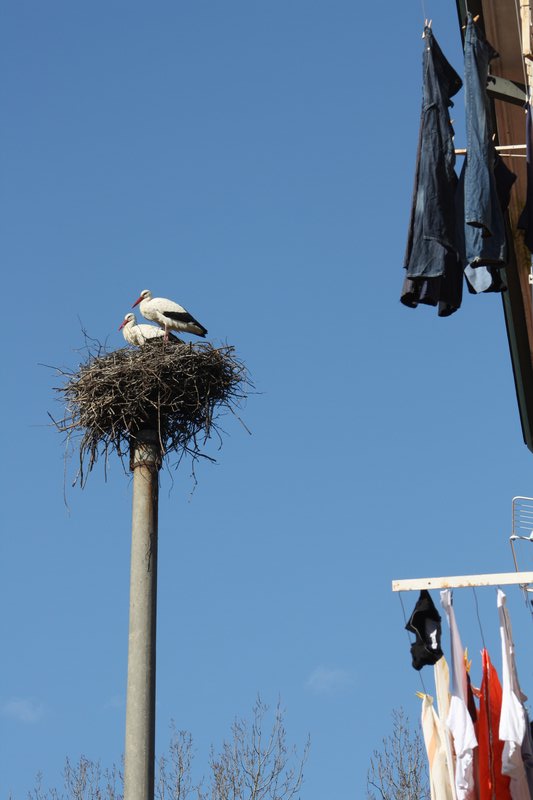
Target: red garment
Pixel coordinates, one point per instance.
(492, 784)
(474, 715)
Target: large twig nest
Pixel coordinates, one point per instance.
(179, 390)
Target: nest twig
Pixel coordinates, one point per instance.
(179, 390)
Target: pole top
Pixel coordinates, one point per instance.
(146, 449)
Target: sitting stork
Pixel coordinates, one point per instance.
(167, 314)
(140, 334)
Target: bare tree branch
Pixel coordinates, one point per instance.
(399, 770)
(255, 763)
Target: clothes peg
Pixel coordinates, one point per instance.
(468, 663)
(474, 19)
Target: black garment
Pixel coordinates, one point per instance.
(525, 222)
(470, 701)
(425, 624)
(526, 752)
(445, 291)
(432, 254)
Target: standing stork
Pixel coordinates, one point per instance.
(138, 335)
(167, 314)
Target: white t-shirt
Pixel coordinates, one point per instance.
(513, 715)
(459, 720)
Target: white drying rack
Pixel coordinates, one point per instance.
(461, 581)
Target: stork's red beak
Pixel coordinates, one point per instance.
(137, 301)
(122, 325)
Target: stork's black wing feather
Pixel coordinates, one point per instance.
(186, 318)
(179, 316)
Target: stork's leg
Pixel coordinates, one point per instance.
(165, 337)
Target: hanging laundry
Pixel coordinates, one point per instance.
(472, 710)
(433, 267)
(442, 691)
(425, 624)
(485, 242)
(525, 222)
(513, 719)
(492, 784)
(481, 278)
(434, 733)
(470, 701)
(527, 754)
(459, 720)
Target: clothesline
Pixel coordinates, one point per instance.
(492, 752)
(462, 581)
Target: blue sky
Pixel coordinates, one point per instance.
(253, 161)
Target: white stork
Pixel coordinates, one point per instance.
(167, 314)
(140, 334)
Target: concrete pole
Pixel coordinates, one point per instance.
(139, 754)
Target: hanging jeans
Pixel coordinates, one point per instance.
(433, 268)
(484, 278)
(484, 232)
